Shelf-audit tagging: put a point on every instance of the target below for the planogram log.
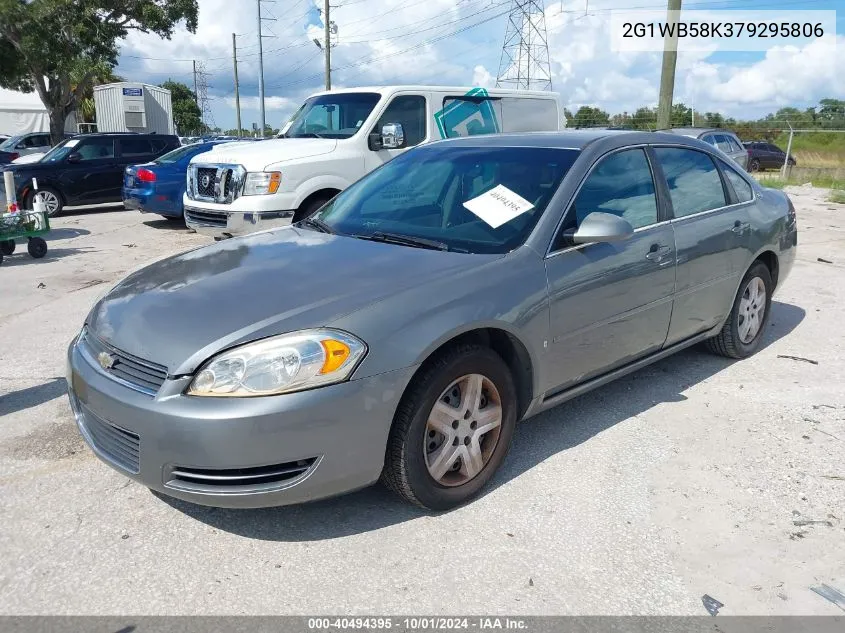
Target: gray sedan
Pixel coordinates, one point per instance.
(401, 331)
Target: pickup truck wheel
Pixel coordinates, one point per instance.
(452, 429)
(743, 332)
(309, 208)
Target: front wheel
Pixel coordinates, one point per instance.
(51, 198)
(743, 332)
(452, 429)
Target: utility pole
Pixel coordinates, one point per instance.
(670, 59)
(524, 63)
(237, 89)
(328, 44)
(261, 71)
(196, 97)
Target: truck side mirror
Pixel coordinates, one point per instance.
(392, 136)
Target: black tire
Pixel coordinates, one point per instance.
(754, 165)
(309, 208)
(405, 471)
(37, 247)
(7, 247)
(60, 203)
(728, 342)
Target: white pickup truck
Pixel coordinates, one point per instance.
(337, 137)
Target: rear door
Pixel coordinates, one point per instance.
(775, 155)
(96, 178)
(712, 233)
(611, 303)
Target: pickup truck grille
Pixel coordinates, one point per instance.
(215, 183)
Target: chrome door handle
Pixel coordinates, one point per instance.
(741, 227)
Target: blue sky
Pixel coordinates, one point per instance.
(458, 42)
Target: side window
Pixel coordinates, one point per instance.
(774, 148)
(743, 190)
(469, 116)
(709, 138)
(159, 145)
(96, 149)
(735, 144)
(723, 143)
(130, 147)
(621, 184)
(409, 110)
(694, 182)
(529, 115)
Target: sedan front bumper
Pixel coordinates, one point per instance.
(237, 452)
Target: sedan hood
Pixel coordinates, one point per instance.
(182, 310)
(256, 156)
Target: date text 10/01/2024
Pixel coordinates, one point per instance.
(420, 623)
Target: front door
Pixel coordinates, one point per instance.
(712, 232)
(411, 112)
(610, 303)
(96, 177)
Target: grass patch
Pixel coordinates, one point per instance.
(837, 196)
(815, 149)
(824, 178)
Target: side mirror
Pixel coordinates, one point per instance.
(602, 227)
(74, 158)
(392, 136)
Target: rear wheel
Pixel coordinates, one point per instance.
(7, 247)
(452, 430)
(743, 332)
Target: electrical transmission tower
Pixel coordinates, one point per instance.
(525, 54)
(201, 81)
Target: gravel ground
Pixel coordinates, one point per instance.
(691, 477)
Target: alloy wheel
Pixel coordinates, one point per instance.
(50, 200)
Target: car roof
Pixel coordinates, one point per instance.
(569, 139)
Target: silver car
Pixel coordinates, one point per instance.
(401, 331)
(721, 139)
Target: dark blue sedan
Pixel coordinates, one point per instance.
(157, 186)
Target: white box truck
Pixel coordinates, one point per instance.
(337, 137)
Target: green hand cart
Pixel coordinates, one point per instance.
(24, 224)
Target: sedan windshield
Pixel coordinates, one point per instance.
(466, 199)
(338, 115)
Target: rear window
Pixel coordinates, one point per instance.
(694, 182)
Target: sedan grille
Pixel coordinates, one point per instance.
(134, 372)
(238, 480)
(201, 216)
(117, 445)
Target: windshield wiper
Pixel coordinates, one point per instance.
(315, 223)
(405, 240)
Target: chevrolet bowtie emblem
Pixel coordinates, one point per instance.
(106, 360)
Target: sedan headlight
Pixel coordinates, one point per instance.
(259, 183)
(280, 364)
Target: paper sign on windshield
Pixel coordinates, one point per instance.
(498, 206)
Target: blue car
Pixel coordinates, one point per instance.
(157, 186)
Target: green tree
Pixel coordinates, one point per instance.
(714, 119)
(681, 115)
(187, 115)
(832, 110)
(587, 116)
(42, 42)
(644, 118)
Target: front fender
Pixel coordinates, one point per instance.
(318, 183)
